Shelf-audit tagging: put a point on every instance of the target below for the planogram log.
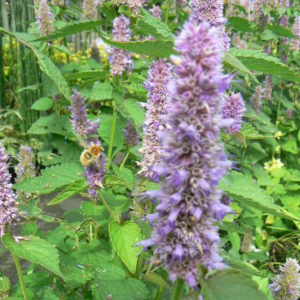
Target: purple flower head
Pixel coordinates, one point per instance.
(135, 6)
(233, 108)
(157, 85)
(132, 138)
(120, 60)
(255, 101)
(87, 132)
(25, 167)
(60, 3)
(193, 160)
(212, 12)
(180, 3)
(8, 211)
(268, 88)
(156, 12)
(45, 18)
(286, 285)
(80, 121)
(296, 32)
(90, 8)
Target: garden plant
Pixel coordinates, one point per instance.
(149, 150)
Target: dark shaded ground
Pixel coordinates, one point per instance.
(7, 266)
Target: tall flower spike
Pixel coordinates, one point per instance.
(156, 12)
(90, 8)
(135, 6)
(233, 108)
(212, 12)
(92, 157)
(158, 78)
(296, 32)
(25, 167)
(8, 211)
(120, 60)
(45, 18)
(268, 88)
(255, 101)
(132, 138)
(60, 3)
(286, 285)
(193, 161)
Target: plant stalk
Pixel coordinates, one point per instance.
(124, 160)
(177, 289)
(111, 140)
(167, 11)
(20, 275)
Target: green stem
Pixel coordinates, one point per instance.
(278, 109)
(177, 289)
(108, 208)
(111, 139)
(84, 46)
(159, 293)
(167, 11)
(124, 160)
(20, 275)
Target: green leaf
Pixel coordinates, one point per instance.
(35, 250)
(52, 178)
(241, 24)
(280, 30)
(69, 191)
(111, 281)
(101, 91)
(131, 109)
(245, 267)
(151, 48)
(259, 61)
(231, 285)
(241, 188)
(154, 27)
(42, 104)
(291, 146)
(232, 62)
(45, 63)
(96, 74)
(123, 238)
(70, 29)
(249, 132)
(98, 213)
(52, 124)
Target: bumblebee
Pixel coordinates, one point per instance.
(90, 155)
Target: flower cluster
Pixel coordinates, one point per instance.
(156, 12)
(60, 3)
(158, 78)
(8, 210)
(135, 5)
(286, 285)
(212, 12)
(25, 167)
(132, 138)
(87, 131)
(45, 18)
(255, 101)
(268, 88)
(296, 32)
(193, 161)
(120, 60)
(233, 109)
(274, 164)
(90, 8)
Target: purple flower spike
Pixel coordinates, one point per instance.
(234, 108)
(193, 160)
(45, 18)
(8, 211)
(25, 167)
(90, 8)
(87, 132)
(212, 12)
(286, 285)
(132, 138)
(120, 60)
(157, 85)
(156, 12)
(296, 32)
(268, 88)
